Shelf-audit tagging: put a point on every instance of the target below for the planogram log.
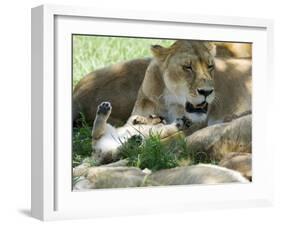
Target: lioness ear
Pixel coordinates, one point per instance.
(211, 47)
(159, 52)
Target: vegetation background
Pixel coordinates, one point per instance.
(94, 52)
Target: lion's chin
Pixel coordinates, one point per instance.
(196, 117)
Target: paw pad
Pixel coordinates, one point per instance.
(183, 122)
(104, 108)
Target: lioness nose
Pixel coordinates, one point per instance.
(205, 92)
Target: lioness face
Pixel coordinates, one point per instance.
(188, 70)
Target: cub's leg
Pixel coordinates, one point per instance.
(141, 120)
(170, 129)
(99, 126)
(105, 138)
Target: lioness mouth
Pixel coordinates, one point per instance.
(199, 108)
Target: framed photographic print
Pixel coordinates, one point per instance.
(138, 112)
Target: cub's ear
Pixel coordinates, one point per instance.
(159, 52)
(211, 48)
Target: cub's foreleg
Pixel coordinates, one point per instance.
(105, 138)
(170, 129)
(99, 127)
(141, 120)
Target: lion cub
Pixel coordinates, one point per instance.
(106, 139)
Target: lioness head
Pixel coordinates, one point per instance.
(188, 71)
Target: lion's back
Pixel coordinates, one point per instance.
(118, 84)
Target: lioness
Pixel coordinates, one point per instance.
(178, 82)
(186, 78)
(120, 83)
(120, 177)
(183, 83)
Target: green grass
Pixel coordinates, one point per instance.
(81, 142)
(93, 52)
(154, 154)
(151, 154)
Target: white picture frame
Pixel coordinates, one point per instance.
(52, 197)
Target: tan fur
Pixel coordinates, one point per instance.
(233, 95)
(239, 161)
(237, 50)
(173, 78)
(230, 79)
(119, 84)
(124, 177)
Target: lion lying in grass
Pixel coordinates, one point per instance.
(124, 177)
(184, 87)
(119, 84)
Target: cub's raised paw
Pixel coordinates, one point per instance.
(183, 122)
(104, 108)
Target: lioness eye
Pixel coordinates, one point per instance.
(187, 67)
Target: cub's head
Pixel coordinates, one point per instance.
(188, 73)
